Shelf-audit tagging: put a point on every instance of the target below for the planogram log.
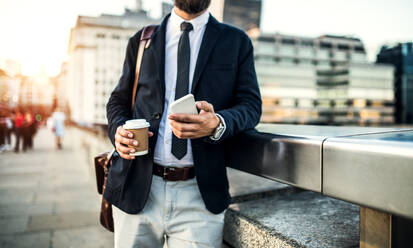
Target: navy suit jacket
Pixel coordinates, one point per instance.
(224, 76)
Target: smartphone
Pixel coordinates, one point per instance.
(184, 105)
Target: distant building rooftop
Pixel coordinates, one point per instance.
(341, 37)
(129, 20)
(325, 41)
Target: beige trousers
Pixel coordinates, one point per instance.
(174, 217)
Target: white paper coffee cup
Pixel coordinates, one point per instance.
(139, 128)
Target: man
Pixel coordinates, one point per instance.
(177, 193)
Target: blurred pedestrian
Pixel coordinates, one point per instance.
(26, 130)
(2, 130)
(58, 118)
(19, 127)
(31, 128)
(9, 130)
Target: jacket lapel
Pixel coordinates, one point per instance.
(157, 47)
(208, 43)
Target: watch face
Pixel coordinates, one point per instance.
(220, 126)
(219, 129)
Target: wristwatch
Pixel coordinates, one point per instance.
(216, 135)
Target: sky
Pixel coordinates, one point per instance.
(36, 32)
(374, 21)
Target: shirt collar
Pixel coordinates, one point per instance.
(197, 23)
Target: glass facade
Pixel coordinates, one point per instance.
(401, 56)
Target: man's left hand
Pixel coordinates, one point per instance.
(188, 126)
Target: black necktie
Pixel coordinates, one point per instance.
(179, 146)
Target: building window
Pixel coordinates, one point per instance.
(359, 48)
(288, 41)
(266, 39)
(116, 37)
(287, 61)
(307, 43)
(343, 47)
(306, 61)
(326, 45)
(100, 36)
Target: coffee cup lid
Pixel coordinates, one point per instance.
(136, 123)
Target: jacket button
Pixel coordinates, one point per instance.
(157, 115)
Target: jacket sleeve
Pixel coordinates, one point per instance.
(118, 108)
(245, 112)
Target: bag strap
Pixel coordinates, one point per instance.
(144, 43)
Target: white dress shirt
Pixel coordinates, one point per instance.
(163, 155)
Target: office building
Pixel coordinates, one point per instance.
(401, 57)
(36, 91)
(166, 8)
(245, 14)
(62, 88)
(9, 89)
(96, 52)
(11, 66)
(322, 80)
(23, 91)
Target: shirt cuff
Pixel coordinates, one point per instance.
(219, 135)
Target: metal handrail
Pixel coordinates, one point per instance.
(372, 167)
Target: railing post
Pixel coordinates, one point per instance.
(375, 228)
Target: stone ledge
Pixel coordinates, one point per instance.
(248, 187)
(303, 219)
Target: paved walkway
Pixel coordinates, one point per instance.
(48, 198)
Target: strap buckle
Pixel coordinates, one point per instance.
(166, 171)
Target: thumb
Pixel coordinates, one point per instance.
(205, 106)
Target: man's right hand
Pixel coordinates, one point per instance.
(124, 138)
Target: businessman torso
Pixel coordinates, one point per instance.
(224, 76)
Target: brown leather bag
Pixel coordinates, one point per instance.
(104, 161)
